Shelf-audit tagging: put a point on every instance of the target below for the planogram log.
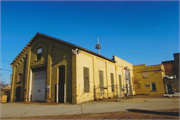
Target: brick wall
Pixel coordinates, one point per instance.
(169, 67)
(176, 63)
(172, 67)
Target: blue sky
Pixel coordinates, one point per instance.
(140, 32)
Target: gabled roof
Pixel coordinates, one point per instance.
(73, 45)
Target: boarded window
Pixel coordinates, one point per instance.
(112, 81)
(19, 79)
(153, 86)
(39, 53)
(86, 79)
(101, 81)
(138, 85)
(145, 73)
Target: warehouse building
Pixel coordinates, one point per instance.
(52, 70)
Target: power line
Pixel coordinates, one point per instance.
(5, 69)
(4, 61)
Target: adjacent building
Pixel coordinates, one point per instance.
(148, 79)
(171, 77)
(52, 70)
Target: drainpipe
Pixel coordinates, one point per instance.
(106, 78)
(64, 93)
(57, 93)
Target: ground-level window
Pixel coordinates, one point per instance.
(86, 79)
(101, 81)
(19, 79)
(112, 81)
(153, 86)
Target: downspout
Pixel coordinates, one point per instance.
(106, 79)
(116, 79)
(94, 85)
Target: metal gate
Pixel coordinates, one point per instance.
(117, 92)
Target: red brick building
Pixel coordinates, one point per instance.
(171, 78)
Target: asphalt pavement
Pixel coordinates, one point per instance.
(26, 109)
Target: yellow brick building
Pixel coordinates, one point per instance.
(52, 70)
(148, 79)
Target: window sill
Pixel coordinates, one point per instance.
(153, 91)
(37, 60)
(18, 82)
(86, 92)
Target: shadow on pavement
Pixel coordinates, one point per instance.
(154, 112)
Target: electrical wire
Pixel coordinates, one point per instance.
(5, 69)
(4, 61)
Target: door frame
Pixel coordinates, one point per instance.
(42, 68)
(171, 92)
(64, 84)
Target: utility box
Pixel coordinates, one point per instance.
(4, 98)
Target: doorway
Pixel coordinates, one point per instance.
(169, 87)
(18, 94)
(39, 85)
(61, 84)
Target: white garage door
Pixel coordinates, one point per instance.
(39, 86)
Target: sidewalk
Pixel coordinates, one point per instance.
(22, 110)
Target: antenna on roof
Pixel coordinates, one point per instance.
(98, 46)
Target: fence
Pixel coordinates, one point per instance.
(113, 92)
